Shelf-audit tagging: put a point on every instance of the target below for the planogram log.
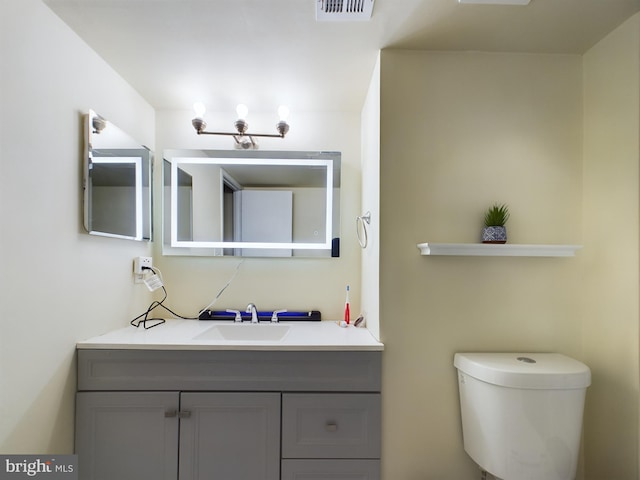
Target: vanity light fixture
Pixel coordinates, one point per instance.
(243, 138)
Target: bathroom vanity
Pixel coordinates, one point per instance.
(178, 403)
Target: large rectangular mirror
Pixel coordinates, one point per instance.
(117, 182)
(256, 204)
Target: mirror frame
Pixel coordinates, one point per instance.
(329, 160)
(142, 204)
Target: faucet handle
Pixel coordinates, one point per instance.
(274, 316)
(238, 318)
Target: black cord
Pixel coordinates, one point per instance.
(143, 321)
(158, 321)
(177, 315)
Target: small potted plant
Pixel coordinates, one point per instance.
(495, 218)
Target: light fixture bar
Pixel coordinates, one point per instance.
(241, 136)
(272, 135)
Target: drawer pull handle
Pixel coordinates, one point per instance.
(331, 426)
(184, 414)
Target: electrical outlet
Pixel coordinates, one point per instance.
(139, 264)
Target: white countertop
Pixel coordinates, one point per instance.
(180, 335)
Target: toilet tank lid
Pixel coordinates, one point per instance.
(525, 370)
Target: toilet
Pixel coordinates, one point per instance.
(522, 413)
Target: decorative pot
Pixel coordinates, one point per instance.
(494, 235)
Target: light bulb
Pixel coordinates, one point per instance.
(200, 109)
(283, 113)
(242, 111)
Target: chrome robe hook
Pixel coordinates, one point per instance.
(361, 229)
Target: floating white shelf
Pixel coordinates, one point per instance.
(498, 250)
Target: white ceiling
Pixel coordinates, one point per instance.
(269, 52)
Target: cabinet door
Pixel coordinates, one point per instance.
(230, 436)
(127, 435)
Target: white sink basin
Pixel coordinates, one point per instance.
(246, 332)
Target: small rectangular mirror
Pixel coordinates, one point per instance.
(117, 182)
(257, 204)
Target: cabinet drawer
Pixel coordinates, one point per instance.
(331, 425)
(229, 370)
(330, 469)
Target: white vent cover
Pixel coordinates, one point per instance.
(496, 2)
(343, 10)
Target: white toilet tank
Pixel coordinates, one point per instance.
(522, 413)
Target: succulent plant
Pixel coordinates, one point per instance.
(496, 216)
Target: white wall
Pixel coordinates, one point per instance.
(303, 283)
(458, 132)
(611, 311)
(58, 284)
(371, 202)
(205, 194)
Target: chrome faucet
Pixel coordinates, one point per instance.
(251, 308)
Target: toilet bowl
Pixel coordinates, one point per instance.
(522, 413)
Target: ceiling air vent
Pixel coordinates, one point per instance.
(496, 2)
(343, 10)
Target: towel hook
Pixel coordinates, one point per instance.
(361, 225)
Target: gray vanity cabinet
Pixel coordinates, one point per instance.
(228, 415)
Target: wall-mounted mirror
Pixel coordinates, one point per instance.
(256, 204)
(117, 179)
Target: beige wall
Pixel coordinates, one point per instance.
(460, 131)
(57, 284)
(610, 258)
